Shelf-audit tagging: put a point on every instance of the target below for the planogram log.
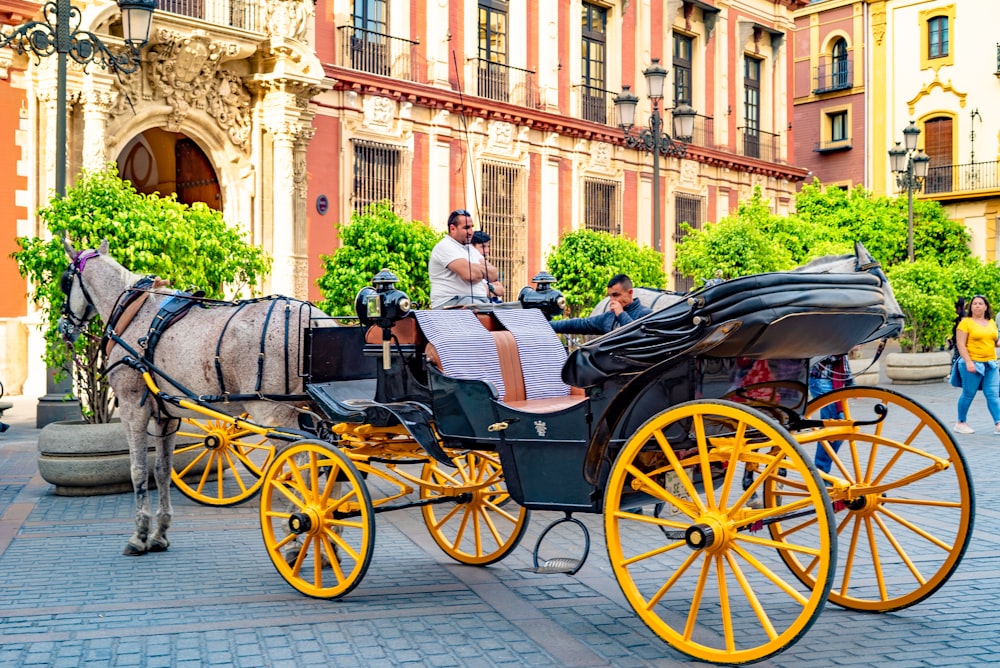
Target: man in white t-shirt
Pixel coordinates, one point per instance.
(459, 272)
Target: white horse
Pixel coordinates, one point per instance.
(249, 351)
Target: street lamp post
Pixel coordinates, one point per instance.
(653, 139)
(58, 32)
(910, 167)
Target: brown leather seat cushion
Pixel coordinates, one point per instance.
(406, 331)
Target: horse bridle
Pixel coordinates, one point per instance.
(74, 272)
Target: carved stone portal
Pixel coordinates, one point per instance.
(186, 73)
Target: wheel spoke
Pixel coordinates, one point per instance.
(902, 469)
(478, 536)
(705, 558)
(319, 483)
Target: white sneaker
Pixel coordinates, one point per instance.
(996, 428)
(962, 428)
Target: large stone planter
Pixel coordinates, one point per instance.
(83, 459)
(864, 371)
(917, 368)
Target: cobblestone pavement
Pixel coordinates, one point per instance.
(68, 597)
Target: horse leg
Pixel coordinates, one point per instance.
(135, 430)
(164, 464)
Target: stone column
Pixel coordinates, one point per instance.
(98, 100)
(283, 209)
(301, 240)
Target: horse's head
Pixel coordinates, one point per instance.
(78, 307)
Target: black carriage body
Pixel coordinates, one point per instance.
(558, 458)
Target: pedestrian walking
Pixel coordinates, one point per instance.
(826, 375)
(976, 340)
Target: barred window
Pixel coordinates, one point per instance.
(602, 206)
(687, 209)
(377, 174)
(502, 217)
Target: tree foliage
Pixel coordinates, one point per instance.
(926, 293)
(752, 241)
(377, 239)
(192, 246)
(585, 260)
(880, 223)
(827, 221)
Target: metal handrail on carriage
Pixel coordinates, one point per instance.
(669, 441)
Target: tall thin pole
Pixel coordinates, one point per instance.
(63, 9)
(910, 183)
(657, 138)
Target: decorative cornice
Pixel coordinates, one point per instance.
(536, 119)
(926, 90)
(13, 12)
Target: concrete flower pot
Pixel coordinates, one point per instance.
(914, 368)
(83, 459)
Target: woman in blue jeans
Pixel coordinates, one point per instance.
(826, 375)
(976, 340)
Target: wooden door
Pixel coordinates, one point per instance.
(938, 146)
(196, 181)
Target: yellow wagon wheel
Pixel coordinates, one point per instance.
(696, 573)
(483, 524)
(903, 500)
(317, 519)
(219, 464)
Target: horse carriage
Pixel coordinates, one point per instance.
(689, 431)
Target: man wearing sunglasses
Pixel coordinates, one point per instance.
(459, 273)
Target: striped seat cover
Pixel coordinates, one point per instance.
(542, 354)
(466, 349)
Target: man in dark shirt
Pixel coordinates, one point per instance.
(622, 309)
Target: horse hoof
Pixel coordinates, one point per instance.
(133, 551)
(159, 545)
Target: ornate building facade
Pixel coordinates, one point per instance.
(289, 116)
(864, 69)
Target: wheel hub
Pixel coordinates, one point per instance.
(865, 504)
(214, 441)
(301, 522)
(699, 536)
(708, 534)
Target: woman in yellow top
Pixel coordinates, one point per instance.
(976, 339)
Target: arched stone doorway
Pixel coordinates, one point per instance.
(170, 162)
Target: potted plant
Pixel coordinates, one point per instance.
(192, 246)
(926, 294)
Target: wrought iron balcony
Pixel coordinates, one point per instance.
(758, 144)
(963, 178)
(497, 81)
(243, 14)
(704, 131)
(832, 145)
(376, 53)
(596, 104)
(833, 75)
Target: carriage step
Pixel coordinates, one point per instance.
(560, 564)
(557, 565)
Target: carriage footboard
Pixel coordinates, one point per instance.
(338, 399)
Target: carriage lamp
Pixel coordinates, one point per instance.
(543, 296)
(384, 306)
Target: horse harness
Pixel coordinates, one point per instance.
(74, 272)
(172, 310)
